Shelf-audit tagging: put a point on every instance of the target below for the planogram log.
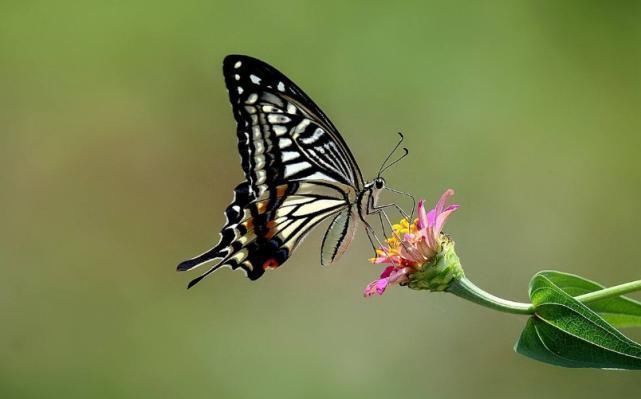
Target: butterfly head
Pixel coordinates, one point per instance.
(375, 185)
(373, 188)
(379, 183)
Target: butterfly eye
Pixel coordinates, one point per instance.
(380, 183)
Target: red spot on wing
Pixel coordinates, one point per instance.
(270, 264)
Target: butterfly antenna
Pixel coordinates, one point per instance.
(395, 162)
(382, 168)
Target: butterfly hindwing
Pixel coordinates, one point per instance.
(338, 236)
(263, 233)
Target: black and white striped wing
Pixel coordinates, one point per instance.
(299, 172)
(261, 234)
(282, 134)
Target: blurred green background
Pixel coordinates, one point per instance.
(118, 156)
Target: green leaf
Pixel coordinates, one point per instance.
(620, 311)
(566, 333)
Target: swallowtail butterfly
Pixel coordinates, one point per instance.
(299, 172)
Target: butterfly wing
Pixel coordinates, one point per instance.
(338, 236)
(299, 172)
(282, 134)
(261, 234)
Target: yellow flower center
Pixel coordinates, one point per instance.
(398, 232)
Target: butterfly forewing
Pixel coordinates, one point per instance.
(282, 134)
(299, 172)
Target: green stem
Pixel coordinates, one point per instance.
(465, 289)
(610, 292)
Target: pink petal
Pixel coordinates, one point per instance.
(410, 253)
(376, 287)
(387, 271)
(441, 219)
(431, 217)
(382, 259)
(440, 205)
(422, 215)
(452, 207)
(398, 276)
(425, 249)
(432, 239)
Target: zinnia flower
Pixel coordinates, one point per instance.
(412, 245)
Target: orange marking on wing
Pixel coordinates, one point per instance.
(270, 264)
(271, 229)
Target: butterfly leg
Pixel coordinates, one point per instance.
(400, 210)
(380, 210)
(411, 217)
(371, 240)
(380, 219)
(371, 235)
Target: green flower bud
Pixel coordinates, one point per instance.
(437, 273)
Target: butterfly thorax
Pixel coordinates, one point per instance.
(368, 197)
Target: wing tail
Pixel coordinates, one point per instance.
(234, 214)
(202, 276)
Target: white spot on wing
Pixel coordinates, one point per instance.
(271, 108)
(318, 133)
(275, 118)
(260, 174)
(291, 229)
(240, 90)
(317, 206)
(259, 147)
(302, 125)
(289, 155)
(237, 64)
(255, 79)
(252, 98)
(237, 76)
(300, 200)
(292, 169)
(280, 86)
(285, 142)
(280, 130)
(319, 176)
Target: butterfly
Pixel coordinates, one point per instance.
(298, 171)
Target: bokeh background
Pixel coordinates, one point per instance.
(118, 156)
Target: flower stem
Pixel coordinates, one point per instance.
(610, 292)
(466, 289)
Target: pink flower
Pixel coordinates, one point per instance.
(431, 224)
(391, 275)
(411, 245)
